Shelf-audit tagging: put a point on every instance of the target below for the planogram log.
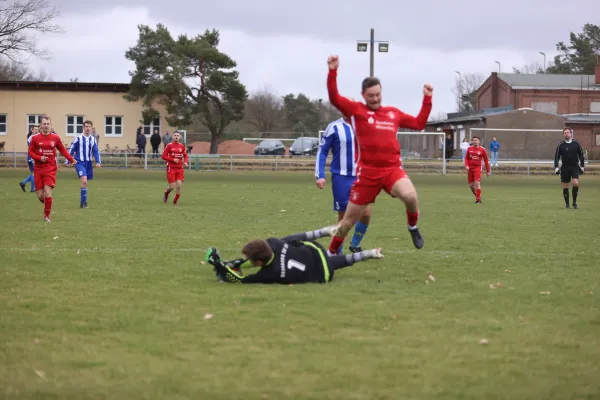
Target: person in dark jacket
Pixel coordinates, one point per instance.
(155, 141)
(141, 142)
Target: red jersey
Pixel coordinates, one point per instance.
(174, 151)
(474, 157)
(46, 145)
(376, 130)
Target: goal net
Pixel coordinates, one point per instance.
(520, 144)
(421, 151)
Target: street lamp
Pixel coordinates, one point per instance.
(363, 45)
(499, 66)
(544, 54)
(459, 90)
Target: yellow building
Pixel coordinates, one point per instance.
(116, 120)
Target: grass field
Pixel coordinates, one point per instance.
(110, 302)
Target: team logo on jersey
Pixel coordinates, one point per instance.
(370, 120)
(392, 115)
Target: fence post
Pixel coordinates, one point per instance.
(528, 168)
(15, 159)
(126, 160)
(145, 160)
(276, 165)
(231, 163)
(218, 163)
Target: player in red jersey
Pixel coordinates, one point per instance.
(176, 157)
(379, 163)
(476, 153)
(42, 149)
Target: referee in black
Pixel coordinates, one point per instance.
(571, 153)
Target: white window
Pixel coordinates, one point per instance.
(545, 107)
(155, 124)
(3, 124)
(595, 107)
(597, 139)
(113, 126)
(33, 120)
(74, 125)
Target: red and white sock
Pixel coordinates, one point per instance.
(412, 218)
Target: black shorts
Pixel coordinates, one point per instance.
(567, 173)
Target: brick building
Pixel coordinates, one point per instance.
(532, 101)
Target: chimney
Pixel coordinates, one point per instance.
(597, 72)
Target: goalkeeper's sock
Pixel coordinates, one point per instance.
(176, 198)
(336, 243)
(566, 195)
(478, 194)
(575, 192)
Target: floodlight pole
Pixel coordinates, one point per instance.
(362, 47)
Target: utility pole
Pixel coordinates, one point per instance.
(363, 45)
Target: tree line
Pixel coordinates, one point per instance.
(199, 85)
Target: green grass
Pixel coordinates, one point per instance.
(109, 302)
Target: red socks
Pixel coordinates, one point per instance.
(412, 218)
(336, 243)
(478, 194)
(176, 198)
(47, 206)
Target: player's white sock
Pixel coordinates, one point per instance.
(325, 232)
(412, 228)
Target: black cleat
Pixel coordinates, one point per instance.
(566, 206)
(477, 201)
(83, 205)
(22, 186)
(416, 237)
(356, 249)
(575, 205)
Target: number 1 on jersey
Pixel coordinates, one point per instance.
(295, 264)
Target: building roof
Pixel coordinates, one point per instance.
(583, 118)
(471, 116)
(549, 81)
(65, 86)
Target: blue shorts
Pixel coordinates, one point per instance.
(341, 185)
(30, 164)
(85, 168)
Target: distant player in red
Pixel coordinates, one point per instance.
(475, 154)
(176, 157)
(42, 149)
(379, 165)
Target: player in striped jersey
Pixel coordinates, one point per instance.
(34, 131)
(340, 140)
(83, 148)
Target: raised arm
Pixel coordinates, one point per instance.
(345, 105)
(420, 121)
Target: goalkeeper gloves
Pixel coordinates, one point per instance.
(581, 170)
(556, 170)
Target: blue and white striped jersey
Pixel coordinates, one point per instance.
(29, 159)
(339, 138)
(83, 148)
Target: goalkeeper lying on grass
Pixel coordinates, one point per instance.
(293, 259)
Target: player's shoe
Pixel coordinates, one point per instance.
(477, 201)
(575, 205)
(22, 186)
(356, 249)
(416, 238)
(373, 253)
(83, 205)
(566, 206)
(165, 199)
(47, 219)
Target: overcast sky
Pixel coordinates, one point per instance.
(286, 49)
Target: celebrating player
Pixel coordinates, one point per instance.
(42, 149)
(293, 259)
(82, 148)
(473, 165)
(176, 157)
(379, 164)
(34, 131)
(339, 138)
(573, 163)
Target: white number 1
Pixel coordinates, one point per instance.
(295, 264)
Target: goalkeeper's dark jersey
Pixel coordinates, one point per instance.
(571, 154)
(292, 262)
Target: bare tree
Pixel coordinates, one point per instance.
(16, 71)
(439, 116)
(531, 68)
(264, 109)
(464, 90)
(20, 21)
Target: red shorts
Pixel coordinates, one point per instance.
(41, 179)
(174, 174)
(474, 174)
(367, 186)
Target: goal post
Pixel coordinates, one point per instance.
(520, 144)
(421, 151)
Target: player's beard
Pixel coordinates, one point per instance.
(374, 105)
